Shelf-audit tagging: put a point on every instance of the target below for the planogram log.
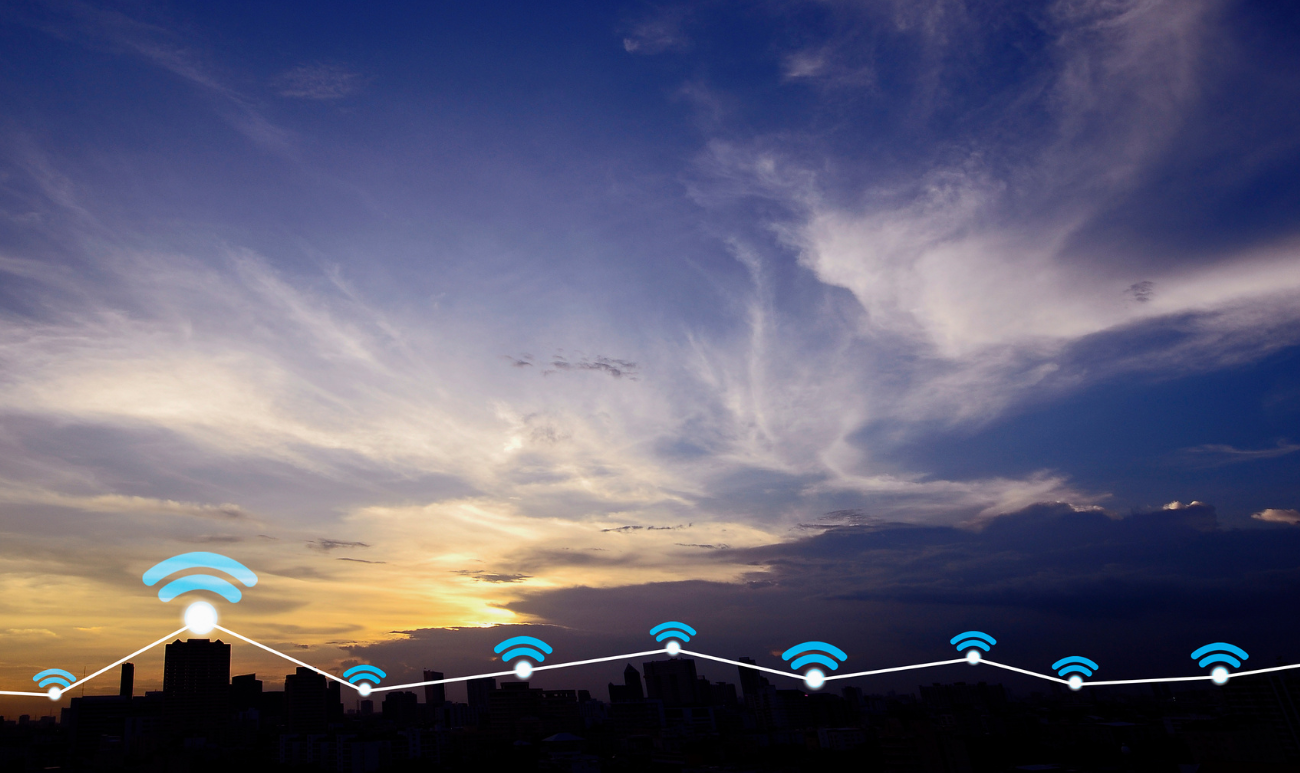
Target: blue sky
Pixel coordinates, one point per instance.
(502, 303)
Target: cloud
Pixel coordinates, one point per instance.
(119, 503)
(1278, 516)
(613, 367)
(1214, 454)
(326, 545)
(483, 576)
(318, 81)
(360, 561)
(663, 31)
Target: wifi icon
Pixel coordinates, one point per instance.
(200, 617)
(1074, 665)
(673, 632)
(1219, 652)
(523, 647)
(811, 652)
(972, 642)
(56, 679)
(365, 674)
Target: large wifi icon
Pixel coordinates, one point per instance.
(200, 582)
(814, 653)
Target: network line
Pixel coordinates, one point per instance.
(660, 651)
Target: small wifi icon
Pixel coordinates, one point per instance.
(1221, 653)
(818, 653)
(1076, 666)
(675, 633)
(971, 643)
(56, 679)
(365, 674)
(524, 648)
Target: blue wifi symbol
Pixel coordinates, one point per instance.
(365, 674)
(1219, 652)
(523, 647)
(57, 677)
(672, 632)
(195, 582)
(1075, 665)
(972, 642)
(811, 652)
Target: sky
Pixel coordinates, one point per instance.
(864, 322)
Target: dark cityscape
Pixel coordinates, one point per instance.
(663, 717)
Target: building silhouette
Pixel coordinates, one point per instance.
(196, 686)
(630, 690)
(307, 702)
(434, 694)
(127, 685)
(672, 681)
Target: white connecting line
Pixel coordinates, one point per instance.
(661, 651)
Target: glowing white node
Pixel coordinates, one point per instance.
(201, 617)
(814, 679)
(363, 689)
(973, 657)
(523, 669)
(55, 693)
(1075, 682)
(673, 647)
(1219, 675)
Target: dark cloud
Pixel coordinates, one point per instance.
(360, 561)
(719, 546)
(491, 576)
(649, 528)
(215, 539)
(326, 545)
(1143, 291)
(523, 361)
(614, 367)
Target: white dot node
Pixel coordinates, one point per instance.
(523, 669)
(973, 657)
(1075, 682)
(55, 693)
(814, 679)
(201, 617)
(1219, 675)
(363, 689)
(674, 647)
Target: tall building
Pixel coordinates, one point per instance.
(127, 685)
(196, 686)
(630, 690)
(480, 692)
(434, 694)
(245, 692)
(672, 681)
(305, 702)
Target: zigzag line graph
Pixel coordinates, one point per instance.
(56, 692)
(528, 652)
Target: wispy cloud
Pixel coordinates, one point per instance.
(1212, 454)
(322, 82)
